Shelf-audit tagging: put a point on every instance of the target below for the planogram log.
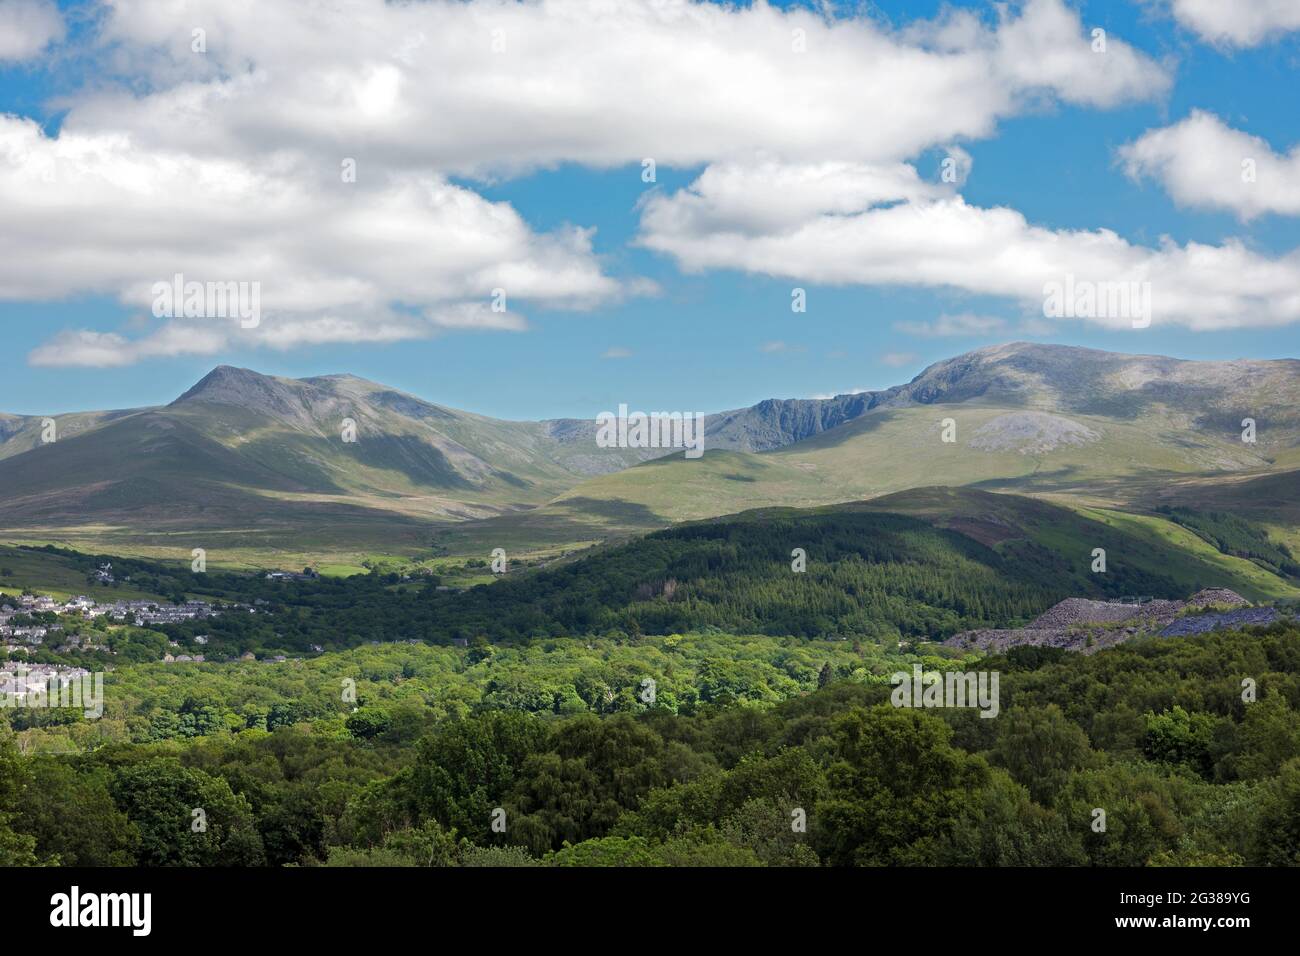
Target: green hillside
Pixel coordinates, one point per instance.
(1271, 500)
(1086, 458)
(258, 468)
(920, 565)
(895, 449)
(1080, 425)
(920, 561)
(20, 433)
(24, 569)
(1150, 542)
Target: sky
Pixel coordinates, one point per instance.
(640, 185)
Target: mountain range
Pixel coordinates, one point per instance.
(263, 464)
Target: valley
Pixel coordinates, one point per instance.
(258, 471)
(647, 661)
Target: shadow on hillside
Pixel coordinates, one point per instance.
(568, 521)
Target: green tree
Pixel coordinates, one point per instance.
(1009, 829)
(16, 849)
(1039, 747)
(1269, 736)
(596, 769)
(1141, 808)
(897, 788)
(73, 818)
(1277, 839)
(1181, 739)
(368, 722)
(466, 768)
(161, 797)
(428, 845)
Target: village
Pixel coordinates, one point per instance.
(29, 621)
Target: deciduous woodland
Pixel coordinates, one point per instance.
(699, 748)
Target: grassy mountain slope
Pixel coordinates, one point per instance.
(1080, 425)
(261, 461)
(1097, 460)
(1272, 500)
(1149, 543)
(59, 576)
(1028, 418)
(248, 461)
(20, 433)
(404, 445)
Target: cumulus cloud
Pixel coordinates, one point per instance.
(335, 261)
(478, 316)
(27, 27)
(87, 349)
(1238, 24)
(1204, 163)
(224, 165)
(468, 87)
(210, 336)
(769, 196)
(84, 348)
(1041, 47)
(947, 243)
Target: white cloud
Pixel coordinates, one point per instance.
(225, 165)
(616, 352)
(291, 332)
(27, 27)
(86, 349)
(1043, 48)
(208, 337)
(953, 326)
(601, 82)
(946, 243)
(1206, 164)
(479, 316)
(770, 197)
(1241, 24)
(336, 262)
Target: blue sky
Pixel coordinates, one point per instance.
(720, 337)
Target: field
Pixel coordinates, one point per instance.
(22, 569)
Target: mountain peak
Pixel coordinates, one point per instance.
(221, 381)
(281, 398)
